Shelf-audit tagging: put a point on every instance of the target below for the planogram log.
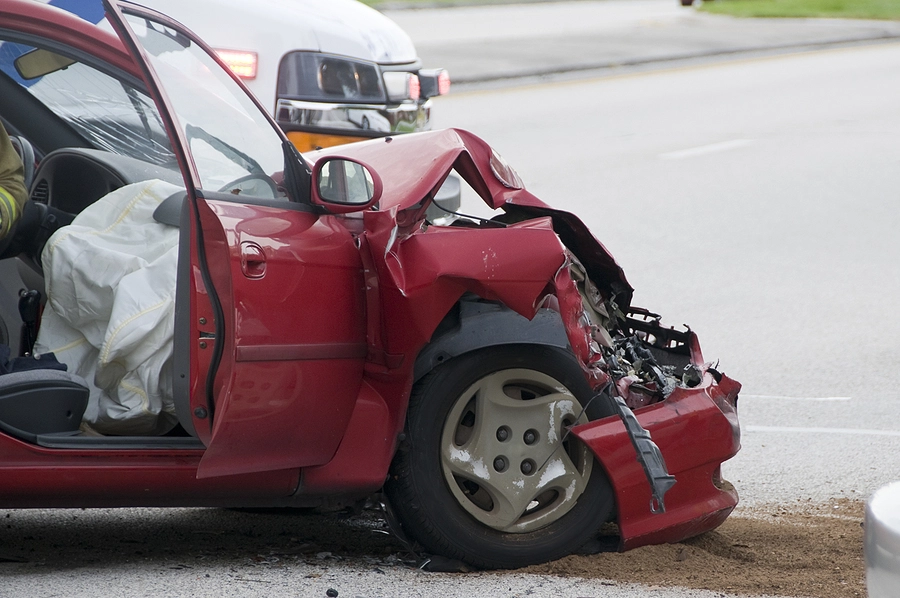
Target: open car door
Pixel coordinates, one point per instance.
(270, 324)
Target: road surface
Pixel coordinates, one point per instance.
(755, 200)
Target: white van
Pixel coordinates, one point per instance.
(330, 71)
(327, 69)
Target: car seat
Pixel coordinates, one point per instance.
(42, 401)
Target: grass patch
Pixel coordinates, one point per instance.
(844, 9)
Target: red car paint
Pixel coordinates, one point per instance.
(695, 436)
(313, 384)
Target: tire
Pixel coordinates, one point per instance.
(481, 475)
(687, 2)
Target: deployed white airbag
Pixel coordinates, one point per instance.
(110, 313)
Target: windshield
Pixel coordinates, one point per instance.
(234, 147)
(110, 113)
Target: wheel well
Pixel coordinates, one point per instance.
(474, 323)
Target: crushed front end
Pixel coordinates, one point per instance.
(679, 414)
(676, 419)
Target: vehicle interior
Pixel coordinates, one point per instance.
(75, 151)
(85, 130)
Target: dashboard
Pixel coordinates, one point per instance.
(71, 179)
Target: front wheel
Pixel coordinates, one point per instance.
(487, 474)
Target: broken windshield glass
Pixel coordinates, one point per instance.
(111, 114)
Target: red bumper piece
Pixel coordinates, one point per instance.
(696, 429)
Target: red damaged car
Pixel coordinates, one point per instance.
(243, 326)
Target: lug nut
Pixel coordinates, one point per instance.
(531, 437)
(500, 464)
(527, 467)
(503, 434)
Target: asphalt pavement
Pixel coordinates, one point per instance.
(786, 273)
(480, 44)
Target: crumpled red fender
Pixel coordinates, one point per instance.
(579, 328)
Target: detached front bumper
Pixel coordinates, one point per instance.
(696, 429)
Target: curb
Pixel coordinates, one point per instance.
(735, 53)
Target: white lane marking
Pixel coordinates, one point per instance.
(849, 431)
(706, 149)
(743, 396)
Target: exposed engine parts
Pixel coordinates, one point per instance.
(638, 378)
(645, 360)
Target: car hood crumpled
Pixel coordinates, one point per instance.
(412, 167)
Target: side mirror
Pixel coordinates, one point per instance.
(342, 185)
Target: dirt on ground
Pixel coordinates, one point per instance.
(803, 550)
(811, 551)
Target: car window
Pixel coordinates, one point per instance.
(110, 113)
(235, 148)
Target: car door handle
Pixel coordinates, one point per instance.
(253, 260)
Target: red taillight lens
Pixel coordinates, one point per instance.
(443, 83)
(415, 88)
(242, 64)
(434, 82)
